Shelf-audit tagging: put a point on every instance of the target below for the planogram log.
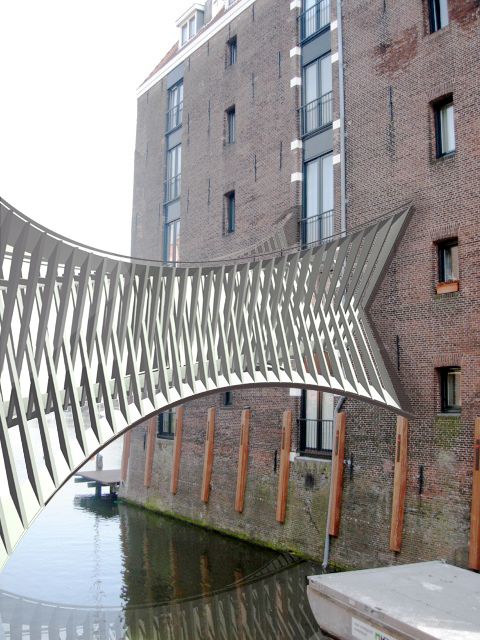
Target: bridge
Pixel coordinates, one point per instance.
(102, 342)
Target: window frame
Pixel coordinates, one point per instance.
(232, 51)
(175, 106)
(443, 376)
(440, 106)
(173, 225)
(168, 418)
(230, 210)
(231, 116)
(436, 19)
(227, 399)
(442, 247)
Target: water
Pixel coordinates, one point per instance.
(95, 568)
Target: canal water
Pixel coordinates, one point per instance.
(101, 569)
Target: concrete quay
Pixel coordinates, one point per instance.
(421, 601)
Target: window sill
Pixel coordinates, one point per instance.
(445, 157)
(447, 287)
(452, 414)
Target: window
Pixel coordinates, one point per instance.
(173, 182)
(232, 51)
(184, 33)
(230, 207)
(172, 244)
(317, 222)
(231, 125)
(315, 17)
(189, 28)
(444, 127)
(317, 95)
(175, 106)
(450, 389)
(438, 14)
(315, 425)
(228, 398)
(448, 261)
(166, 425)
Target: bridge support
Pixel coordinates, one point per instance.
(399, 484)
(474, 555)
(242, 461)
(177, 451)
(337, 474)
(284, 466)
(208, 460)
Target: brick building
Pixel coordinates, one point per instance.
(275, 123)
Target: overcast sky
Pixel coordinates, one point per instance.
(68, 77)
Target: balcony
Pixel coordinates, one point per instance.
(174, 117)
(173, 188)
(314, 20)
(316, 114)
(315, 438)
(314, 229)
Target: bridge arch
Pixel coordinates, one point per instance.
(80, 329)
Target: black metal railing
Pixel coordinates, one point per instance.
(314, 19)
(315, 437)
(173, 188)
(316, 114)
(174, 117)
(316, 228)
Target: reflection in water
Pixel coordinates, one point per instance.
(122, 572)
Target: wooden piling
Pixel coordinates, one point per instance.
(399, 484)
(208, 459)
(474, 552)
(177, 451)
(242, 461)
(284, 466)
(150, 451)
(338, 455)
(127, 440)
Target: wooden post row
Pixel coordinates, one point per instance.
(284, 466)
(474, 553)
(177, 451)
(242, 461)
(399, 484)
(127, 440)
(338, 456)
(208, 460)
(150, 450)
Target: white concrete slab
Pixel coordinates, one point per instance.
(423, 601)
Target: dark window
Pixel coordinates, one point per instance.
(232, 51)
(172, 241)
(230, 211)
(448, 261)
(450, 389)
(444, 126)
(166, 424)
(438, 14)
(228, 398)
(315, 425)
(175, 106)
(231, 125)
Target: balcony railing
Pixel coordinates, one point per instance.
(315, 437)
(315, 19)
(316, 228)
(173, 188)
(316, 114)
(174, 117)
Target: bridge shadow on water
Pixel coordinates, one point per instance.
(178, 582)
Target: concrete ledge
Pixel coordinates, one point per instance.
(423, 601)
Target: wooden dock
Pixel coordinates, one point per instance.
(100, 478)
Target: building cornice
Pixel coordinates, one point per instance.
(195, 44)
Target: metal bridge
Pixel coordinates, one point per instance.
(102, 342)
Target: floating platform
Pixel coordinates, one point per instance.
(105, 478)
(423, 601)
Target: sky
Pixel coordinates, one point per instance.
(69, 71)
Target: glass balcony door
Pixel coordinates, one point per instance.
(317, 222)
(317, 95)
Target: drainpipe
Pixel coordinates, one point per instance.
(341, 99)
(326, 548)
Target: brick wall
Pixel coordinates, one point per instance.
(394, 68)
